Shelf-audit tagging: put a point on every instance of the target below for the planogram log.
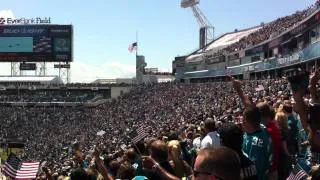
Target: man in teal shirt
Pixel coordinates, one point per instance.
(293, 133)
(257, 142)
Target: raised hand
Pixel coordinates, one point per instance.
(96, 153)
(235, 83)
(148, 162)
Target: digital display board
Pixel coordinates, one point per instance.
(36, 43)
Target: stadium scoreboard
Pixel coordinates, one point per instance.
(36, 43)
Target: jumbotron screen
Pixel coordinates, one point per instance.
(36, 43)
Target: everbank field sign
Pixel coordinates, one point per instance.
(19, 21)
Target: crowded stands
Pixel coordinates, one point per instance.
(181, 120)
(268, 30)
(230, 130)
(277, 26)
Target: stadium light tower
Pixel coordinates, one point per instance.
(206, 29)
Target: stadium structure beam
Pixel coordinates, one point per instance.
(64, 72)
(15, 69)
(42, 69)
(201, 19)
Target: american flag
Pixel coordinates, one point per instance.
(297, 173)
(16, 169)
(133, 47)
(42, 45)
(137, 135)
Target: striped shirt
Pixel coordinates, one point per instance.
(248, 168)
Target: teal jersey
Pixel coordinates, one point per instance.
(293, 130)
(304, 151)
(138, 167)
(258, 147)
(292, 135)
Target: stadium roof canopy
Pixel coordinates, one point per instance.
(230, 38)
(31, 79)
(222, 42)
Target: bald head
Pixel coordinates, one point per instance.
(159, 150)
(222, 162)
(131, 154)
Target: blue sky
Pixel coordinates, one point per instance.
(103, 29)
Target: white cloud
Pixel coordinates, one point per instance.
(6, 13)
(84, 72)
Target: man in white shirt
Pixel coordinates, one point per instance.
(197, 142)
(212, 138)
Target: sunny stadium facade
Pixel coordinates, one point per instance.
(260, 52)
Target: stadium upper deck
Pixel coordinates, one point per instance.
(220, 43)
(281, 43)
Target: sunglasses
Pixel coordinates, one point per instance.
(197, 173)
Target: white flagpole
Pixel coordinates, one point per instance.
(137, 34)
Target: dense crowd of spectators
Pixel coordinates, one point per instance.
(263, 34)
(269, 30)
(257, 129)
(187, 125)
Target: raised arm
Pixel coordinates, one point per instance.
(150, 163)
(100, 166)
(237, 87)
